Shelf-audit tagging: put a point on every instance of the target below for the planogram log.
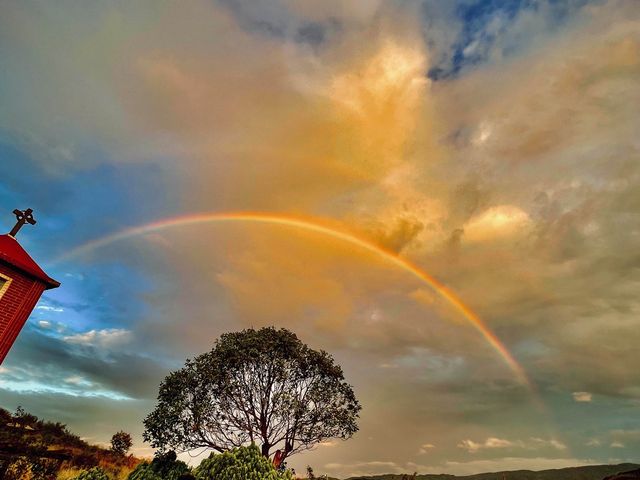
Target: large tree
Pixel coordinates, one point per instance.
(255, 386)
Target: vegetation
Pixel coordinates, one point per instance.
(256, 386)
(33, 449)
(164, 466)
(96, 473)
(246, 463)
(36, 449)
(121, 442)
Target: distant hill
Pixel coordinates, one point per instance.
(623, 471)
(627, 475)
(28, 445)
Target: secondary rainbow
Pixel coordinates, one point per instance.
(317, 226)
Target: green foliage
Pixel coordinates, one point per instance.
(121, 442)
(243, 463)
(96, 473)
(205, 404)
(143, 472)
(163, 467)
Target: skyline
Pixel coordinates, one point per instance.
(442, 195)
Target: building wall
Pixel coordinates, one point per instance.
(16, 305)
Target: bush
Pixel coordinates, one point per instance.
(96, 473)
(163, 467)
(246, 463)
(143, 472)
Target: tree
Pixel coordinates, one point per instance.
(255, 386)
(121, 442)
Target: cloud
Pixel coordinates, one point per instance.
(582, 396)
(106, 338)
(497, 222)
(48, 308)
(533, 443)
(509, 173)
(491, 442)
(424, 448)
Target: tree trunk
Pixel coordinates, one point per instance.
(288, 446)
(265, 449)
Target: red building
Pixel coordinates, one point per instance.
(22, 282)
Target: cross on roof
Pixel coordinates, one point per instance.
(22, 217)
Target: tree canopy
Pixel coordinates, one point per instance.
(255, 386)
(121, 442)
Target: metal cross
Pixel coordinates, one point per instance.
(22, 217)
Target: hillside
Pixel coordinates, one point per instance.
(28, 444)
(626, 475)
(591, 472)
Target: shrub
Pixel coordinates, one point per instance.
(143, 472)
(246, 463)
(163, 467)
(96, 473)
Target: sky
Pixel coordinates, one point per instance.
(491, 144)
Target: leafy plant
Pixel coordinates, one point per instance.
(96, 473)
(245, 463)
(164, 466)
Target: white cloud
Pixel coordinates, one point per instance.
(48, 308)
(497, 222)
(328, 443)
(533, 443)
(536, 443)
(44, 324)
(78, 380)
(425, 448)
(617, 445)
(106, 338)
(491, 442)
(593, 442)
(582, 396)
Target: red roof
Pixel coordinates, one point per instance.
(13, 254)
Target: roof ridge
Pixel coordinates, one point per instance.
(13, 254)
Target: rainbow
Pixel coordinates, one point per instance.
(321, 228)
